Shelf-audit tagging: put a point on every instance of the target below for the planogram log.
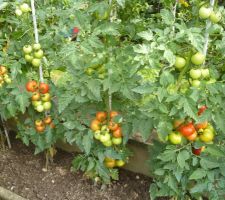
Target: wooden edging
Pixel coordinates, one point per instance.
(8, 195)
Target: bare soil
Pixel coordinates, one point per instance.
(21, 172)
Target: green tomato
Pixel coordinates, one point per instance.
(205, 73)
(36, 62)
(29, 58)
(207, 135)
(107, 143)
(198, 59)
(97, 135)
(38, 54)
(25, 7)
(196, 83)
(105, 137)
(47, 105)
(27, 49)
(215, 17)
(204, 12)
(18, 12)
(116, 141)
(120, 163)
(36, 46)
(40, 108)
(89, 71)
(36, 103)
(180, 62)
(175, 138)
(195, 73)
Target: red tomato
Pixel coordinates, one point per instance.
(201, 110)
(192, 137)
(101, 116)
(187, 129)
(198, 151)
(95, 125)
(31, 86)
(43, 88)
(117, 133)
(202, 125)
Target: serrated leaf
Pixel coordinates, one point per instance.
(64, 100)
(182, 157)
(87, 142)
(198, 174)
(147, 35)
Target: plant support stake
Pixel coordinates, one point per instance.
(36, 35)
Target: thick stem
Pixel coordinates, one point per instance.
(6, 134)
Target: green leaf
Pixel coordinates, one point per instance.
(214, 151)
(121, 3)
(87, 142)
(64, 100)
(147, 35)
(23, 102)
(182, 157)
(198, 174)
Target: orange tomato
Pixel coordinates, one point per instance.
(113, 114)
(202, 125)
(117, 133)
(192, 137)
(101, 116)
(95, 125)
(113, 126)
(109, 162)
(40, 129)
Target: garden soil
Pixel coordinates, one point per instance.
(22, 173)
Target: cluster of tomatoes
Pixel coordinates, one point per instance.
(192, 132)
(40, 125)
(98, 71)
(41, 98)
(23, 8)
(108, 134)
(209, 13)
(4, 77)
(33, 54)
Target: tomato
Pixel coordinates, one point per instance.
(117, 133)
(187, 129)
(113, 114)
(3, 70)
(18, 12)
(113, 126)
(43, 88)
(192, 137)
(177, 123)
(215, 17)
(198, 151)
(204, 12)
(36, 103)
(196, 83)
(76, 30)
(31, 86)
(195, 73)
(205, 73)
(52, 125)
(97, 135)
(109, 162)
(95, 125)
(202, 125)
(36, 46)
(120, 163)
(36, 62)
(36, 96)
(89, 71)
(175, 138)
(47, 120)
(47, 105)
(108, 143)
(40, 129)
(29, 58)
(102, 16)
(117, 141)
(207, 136)
(27, 49)
(104, 138)
(198, 58)
(201, 109)
(101, 116)
(39, 122)
(46, 97)
(180, 62)
(40, 108)
(38, 54)
(25, 7)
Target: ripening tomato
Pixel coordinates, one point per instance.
(39, 122)
(113, 126)
(201, 109)
(3, 70)
(95, 125)
(47, 120)
(177, 123)
(187, 129)
(40, 129)
(52, 125)
(202, 125)
(117, 133)
(110, 162)
(192, 137)
(43, 88)
(207, 136)
(101, 116)
(113, 114)
(36, 96)
(120, 163)
(175, 138)
(31, 86)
